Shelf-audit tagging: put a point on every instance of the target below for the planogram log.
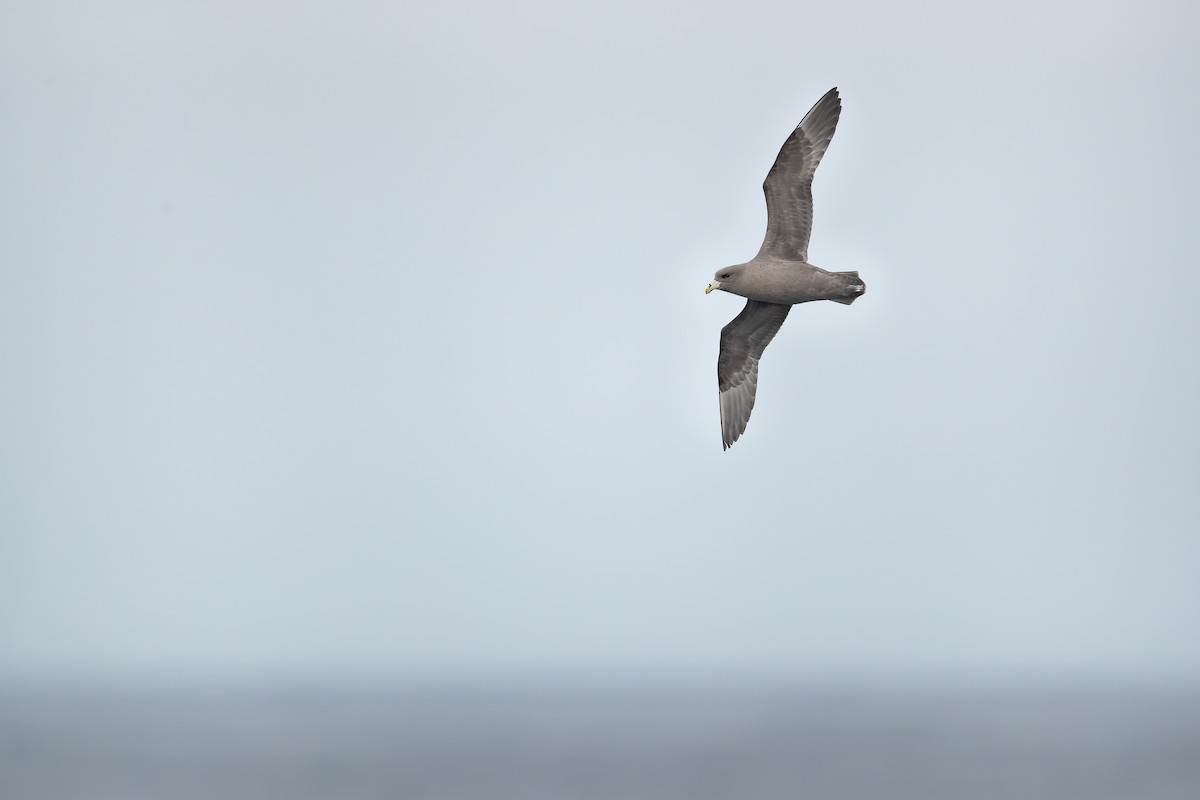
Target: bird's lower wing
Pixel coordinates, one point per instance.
(742, 344)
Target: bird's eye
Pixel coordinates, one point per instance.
(724, 276)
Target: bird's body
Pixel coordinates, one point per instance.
(780, 275)
(773, 280)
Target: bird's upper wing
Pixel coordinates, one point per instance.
(789, 183)
(742, 344)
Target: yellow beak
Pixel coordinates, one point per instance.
(711, 286)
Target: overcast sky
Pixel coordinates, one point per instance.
(370, 339)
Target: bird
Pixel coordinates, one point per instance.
(779, 276)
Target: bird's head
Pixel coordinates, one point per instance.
(726, 279)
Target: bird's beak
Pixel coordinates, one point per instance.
(711, 286)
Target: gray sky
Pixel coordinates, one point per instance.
(350, 340)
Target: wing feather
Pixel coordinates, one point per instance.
(742, 344)
(788, 186)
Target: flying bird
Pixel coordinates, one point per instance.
(780, 275)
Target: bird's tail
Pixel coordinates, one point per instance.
(853, 287)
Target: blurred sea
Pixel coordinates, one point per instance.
(561, 745)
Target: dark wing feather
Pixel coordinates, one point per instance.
(742, 344)
(789, 183)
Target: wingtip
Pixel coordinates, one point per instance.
(729, 437)
(828, 107)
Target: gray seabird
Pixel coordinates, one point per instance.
(780, 275)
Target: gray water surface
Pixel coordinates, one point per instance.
(561, 745)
